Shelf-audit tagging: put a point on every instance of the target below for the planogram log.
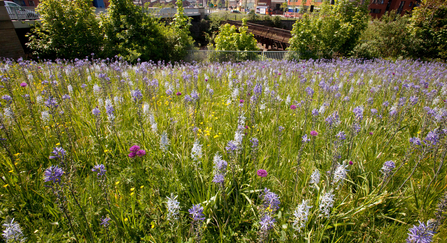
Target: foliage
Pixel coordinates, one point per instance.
(98, 110)
(429, 28)
(179, 36)
(387, 37)
(232, 39)
(131, 33)
(334, 31)
(68, 29)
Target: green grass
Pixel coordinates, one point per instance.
(134, 192)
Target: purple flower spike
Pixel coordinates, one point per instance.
(262, 173)
(53, 174)
(100, 169)
(197, 213)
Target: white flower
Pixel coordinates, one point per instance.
(235, 94)
(146, 108)
(196, 152)
(70, 89)
(301, 215)
(339, 174)
(173, 207)
(164, 141)
(96, 89)
(39, 99)
(326, 204)
(315, 178)
(288, 99)
(117, 99)
(45, 116)
(8, 113)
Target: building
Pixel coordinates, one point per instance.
(34, 3)
(377, 8)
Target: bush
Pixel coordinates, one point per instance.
(332, 32)
(429, 28)
(229, 39)
(387, 37)
(68, 29)
(133, 34)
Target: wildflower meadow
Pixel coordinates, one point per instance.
(101, 150)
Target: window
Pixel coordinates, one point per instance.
(411, 4)
(401, 6)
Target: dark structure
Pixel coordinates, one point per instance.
(10, 46)
(272, 38)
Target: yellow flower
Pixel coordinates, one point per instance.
(419, 132)
(105, 151)
(58, 144)
(126, 219)
(116, 183)
(17, 154)
(132, 189)
(132, 193)
(5, 185)
(152, 224)
(141, 187)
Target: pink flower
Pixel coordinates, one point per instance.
(351, 163)
(293, 107)
(134, 148)
(262, 173)
(132, 155)
(178, 93)
(314, 133)
(23, 84)
(370, 133)
(141, 153)
(241, 101)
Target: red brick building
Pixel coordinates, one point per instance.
(376, 7)
(34, 3)
(379, 7)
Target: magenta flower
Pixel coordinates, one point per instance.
(141, 153)
(293, 107)
(314, 133)
(23, 84)
(178, 93)
(134, 149)
(370, 133)
(262, 173)
(241, 101)
(132, 155)
(351, 163)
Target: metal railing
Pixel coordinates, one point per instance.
(235, 56)
(21, 13)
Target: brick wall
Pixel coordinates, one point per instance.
(10, 46)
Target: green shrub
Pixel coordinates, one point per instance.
(132, 34)
(334, 31)
(68, 29)
(232, 39)
(428, 25)
(387, 37)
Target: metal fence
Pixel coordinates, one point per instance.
(235, 56)
(21, 13)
